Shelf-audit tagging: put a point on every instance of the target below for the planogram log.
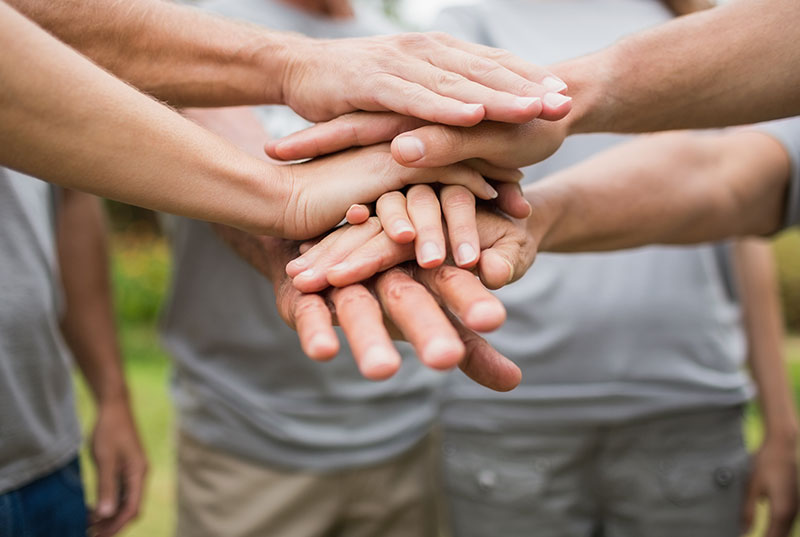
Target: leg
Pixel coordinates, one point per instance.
(677, 475)
(397, 498)
(520, 483)
(221, 494)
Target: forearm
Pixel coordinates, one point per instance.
(176, 53)
(99, 135)
(88, 323)
(756, 275)
(731, 65)
(669, 188)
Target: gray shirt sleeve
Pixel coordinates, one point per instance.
(787, 132)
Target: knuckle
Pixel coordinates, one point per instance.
(439, 36)
(480, 67)
(413, 40)
(398, 289)
(445, 275)
(353, 296)
(448, 79)
(305, 307)
(457, 197)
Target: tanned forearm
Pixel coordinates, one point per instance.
(757, 276)
(669, 188)
(176, 53)
(104, 137)
(88, 322)
(731, 65)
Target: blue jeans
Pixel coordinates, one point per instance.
(51, 506)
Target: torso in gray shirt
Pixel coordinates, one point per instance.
(600, 338)
(242, 384)
(38, 427)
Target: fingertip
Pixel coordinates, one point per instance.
(495, 270)
(401, 232)
(357, 214)
(443, 353)
(296, 266)
(321, 347)
(556, 106)
(407, 149)
(430, 255)
(379, 363)
(466, 255)
(485, 316)
(105, 508)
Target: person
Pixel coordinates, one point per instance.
(215, 62)
(56, 305)
(628, 420)
(260, 447)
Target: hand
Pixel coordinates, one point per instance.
(321, 191)
(774, 478)
(121, 468)
(442, 339)
(488, 147)
(355, 253)
(432, 76)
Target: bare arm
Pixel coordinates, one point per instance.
(88, 327)
(774, 474)
(665, 188)
(191, 58)
(731, 65)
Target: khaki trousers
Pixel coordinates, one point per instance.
(221, 495)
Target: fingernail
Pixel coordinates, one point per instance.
(510, 270)
(525, 102)
(378, 362)
(552, 83)
(472, 108)
(298, 263)
(484, 310)
(105, 509)
(429, 253)
(401, 227)
(442, 353)
(344, 265)
(491, 192)
(411, 149)
(466, 254)
(317, 345)
(554, 100)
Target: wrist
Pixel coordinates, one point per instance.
(265, 194)
(590, 81)
(278, 56)
(547, 205)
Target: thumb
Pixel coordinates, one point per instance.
(349, 130)
(107, 492)
(435, 145)
(503, 263)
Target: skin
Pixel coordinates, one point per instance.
(190, 58)
(208, 177)
(678, 75)
(773, 476)
(405, 298)
(89, 331)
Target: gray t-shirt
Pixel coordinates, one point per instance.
(241, 382)
(787, 132)
(38, 427)
(600, 337)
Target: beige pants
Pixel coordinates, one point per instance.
(221, 495)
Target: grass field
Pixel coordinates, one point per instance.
(148, 371)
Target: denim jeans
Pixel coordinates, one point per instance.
(51, 506)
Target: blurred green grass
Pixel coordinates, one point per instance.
(141, 270)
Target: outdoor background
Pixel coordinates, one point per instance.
(140, 277)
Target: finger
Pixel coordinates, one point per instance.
(107, 486)
(361, 318)
(497, 173)
(442, 76)
(314, 324)
(749, 506)
(350, 130)
(458, 206)
(462, 294)
(781, 516)
(436, 145)
(327, 254)
(413, 99)
(376, 255)
(418, 316)
(544, 79)
(339, 9)
(426, 216)
(393, 215)
(511, 200)
(131, 501)
(483, 364)
(310, 251)
(357, 214)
